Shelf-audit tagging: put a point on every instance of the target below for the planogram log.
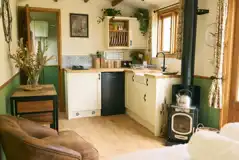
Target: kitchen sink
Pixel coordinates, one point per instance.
(170, 73)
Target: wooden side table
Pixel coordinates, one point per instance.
(39, 106)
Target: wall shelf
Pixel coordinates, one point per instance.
(124, 33)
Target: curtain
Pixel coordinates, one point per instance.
(179, 45)
(215, 94)
(154, 34)
(149, 37)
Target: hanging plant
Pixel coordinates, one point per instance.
(143, 17)
(109, 12)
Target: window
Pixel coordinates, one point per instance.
(167, 31)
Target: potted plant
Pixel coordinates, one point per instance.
(137, 57)
(109, 12)
(31, 63)
(143, 17)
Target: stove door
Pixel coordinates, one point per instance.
(182, 124)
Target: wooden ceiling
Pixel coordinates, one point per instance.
(114, 2)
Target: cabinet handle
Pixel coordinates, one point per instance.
(147, 82)
(145, 97)
(133, 78)
(99, 76)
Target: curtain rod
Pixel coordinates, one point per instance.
(166, 7)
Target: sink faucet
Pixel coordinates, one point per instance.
(164, 64)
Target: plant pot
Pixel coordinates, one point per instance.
(134, 61)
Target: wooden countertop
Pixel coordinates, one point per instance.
(96, 70)
(146, 72)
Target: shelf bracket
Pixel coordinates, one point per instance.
(202, 11)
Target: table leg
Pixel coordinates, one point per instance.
(15, 108)
(55, 113)
(53, 124)
(57, 128)
(12, 106)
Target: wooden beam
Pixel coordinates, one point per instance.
(86, 1)
(116, 2)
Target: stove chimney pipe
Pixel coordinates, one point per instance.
(189, 42)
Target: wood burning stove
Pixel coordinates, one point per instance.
(181, 122)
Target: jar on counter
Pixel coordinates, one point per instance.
(110, 64)
(96, 62)
(117, 64)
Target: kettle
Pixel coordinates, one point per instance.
(184, 98)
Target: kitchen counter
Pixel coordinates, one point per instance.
(88, 93)
(144, 72)
(96, 70)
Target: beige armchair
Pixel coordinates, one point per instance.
(22, 139)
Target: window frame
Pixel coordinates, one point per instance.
(174, 14)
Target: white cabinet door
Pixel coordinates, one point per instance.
(140, 95)
(150, 101)
(130, 91)
(84, 91)
(138, 41)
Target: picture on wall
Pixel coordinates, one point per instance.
(79, 25)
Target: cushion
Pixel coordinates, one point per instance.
(178, 152)
(231, 130)
(207, 145)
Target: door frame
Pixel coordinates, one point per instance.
(59, 47)
(228, 60)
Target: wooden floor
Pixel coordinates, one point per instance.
(113, 135)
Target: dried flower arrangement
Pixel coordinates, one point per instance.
(31, 63)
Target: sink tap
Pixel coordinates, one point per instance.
(164, 64)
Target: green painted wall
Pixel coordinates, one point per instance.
(50, 76)
(208, 116)
(5, 93)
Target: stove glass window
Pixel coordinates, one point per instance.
(182, 124)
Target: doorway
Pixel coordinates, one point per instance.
(44, 25)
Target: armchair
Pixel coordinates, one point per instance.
(26, 140)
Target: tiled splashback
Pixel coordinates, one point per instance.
(86, 60)
(69, 60)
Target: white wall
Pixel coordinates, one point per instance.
(204, 53)
(76, 46)
(6, 68)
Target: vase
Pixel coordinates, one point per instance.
(33, 83)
